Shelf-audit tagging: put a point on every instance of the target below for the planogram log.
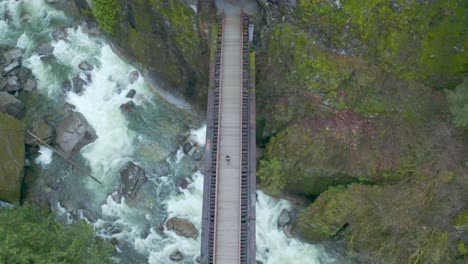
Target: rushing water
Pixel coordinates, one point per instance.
(146, 136)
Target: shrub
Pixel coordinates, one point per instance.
(106, 13)
(29, 235)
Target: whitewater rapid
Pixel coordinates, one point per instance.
(147, 138)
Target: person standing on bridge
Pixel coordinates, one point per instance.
(228, 158)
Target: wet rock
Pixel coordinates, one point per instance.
(12, 158)
(60, 34)
(289, 231)
(10, 105)
(259, 262)
(182, 227)
(114, 241)
(45, 49)
(131, 93)
(52, 1)
(183, 183)
(133, 77)
(13, 65)
(128, 106)
(67, 86)
(73, 133)
(198, 259)
(23, 73)
(284, 218)
(78, 84)
(3, 84)
(13, 85)
(41, 129)
(187, 147)
(86, 66)
(176, 256)
(197, 155)
(12, 55)
(30, 85)
(132, 177)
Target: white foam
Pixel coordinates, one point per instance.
(45, 156)
(199, 135)
(273, 246)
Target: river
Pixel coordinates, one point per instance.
(149, 136)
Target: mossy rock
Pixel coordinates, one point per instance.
(12, 158)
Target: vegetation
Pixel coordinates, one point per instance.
(352, 115)
(458, 102)
(106, 13)
(28, 234)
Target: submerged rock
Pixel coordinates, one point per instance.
(182, 227)
(284, 218)
(86, 66)
(10, 105)
(133, 77)
(60, 34)
(176, 256)
(45, 49)
(132, 177)
(73, 133)
(11, 158)
(78, 84)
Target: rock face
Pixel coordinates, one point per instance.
(132, 177)
(182, 227)
(10, 105)
(11, 158)
(73, 133)
(171, 27)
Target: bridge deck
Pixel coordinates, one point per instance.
(229, 196)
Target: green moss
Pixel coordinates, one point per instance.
(461, 219)
(106, 13)
(271, 176)
(462, 248)
(414, 39)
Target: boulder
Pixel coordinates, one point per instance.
(67, 86)
(30, 85)
(13, 65)
(23, 74)
(12, 158)
(182, 227)
(197, 155)
(12, 55)
(86, 66)
(10, 105)
(45, 49)
(187, 146)
(132, 177)
(60, 34)
(176, 256)
(78, 84)
(3, 84)
(183, 183)
(41, 129)
(284, 218)
(13, 84)
(133, 77)
(73, 133)
(131, 93)
(128, 106)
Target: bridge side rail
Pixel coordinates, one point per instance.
(208, 234)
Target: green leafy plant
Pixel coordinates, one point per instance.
(30, 235)
(106, 14)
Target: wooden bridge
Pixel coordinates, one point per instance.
(228, 225)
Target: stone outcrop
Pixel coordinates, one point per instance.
(182, 227)
(11, 158)
(132, 177)
(73, 133)
(168, 38)
(10, 105)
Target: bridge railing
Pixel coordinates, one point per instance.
(208, 241)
